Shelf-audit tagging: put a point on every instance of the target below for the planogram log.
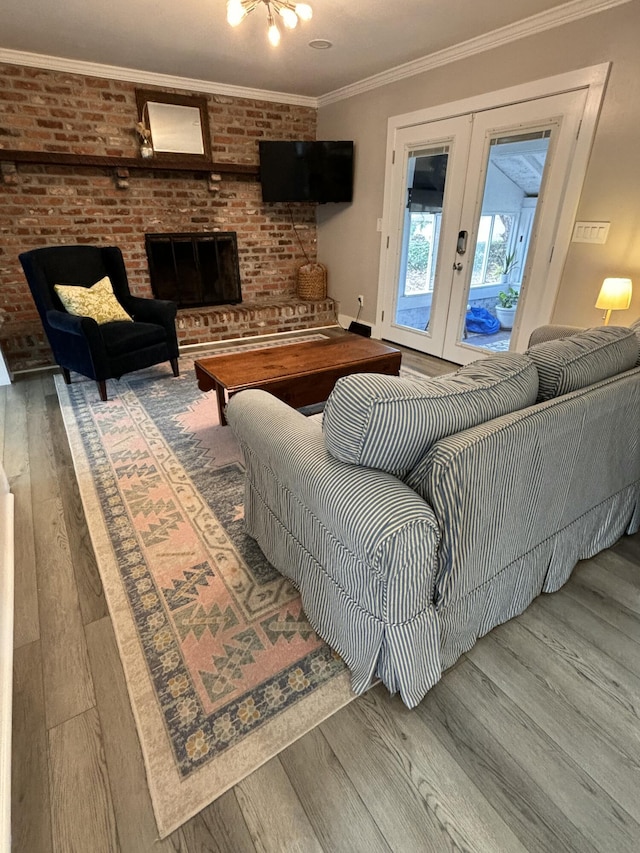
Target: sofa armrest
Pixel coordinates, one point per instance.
(163, 312)
(72, 324)
(160, 311)
(370, 512)
(552, 333)
(84, 328)
(359, 544)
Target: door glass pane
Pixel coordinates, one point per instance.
(511, 192)
(426, 177)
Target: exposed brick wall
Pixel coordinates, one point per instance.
(46, 205)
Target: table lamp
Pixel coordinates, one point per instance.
(615, 295)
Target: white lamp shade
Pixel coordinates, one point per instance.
(615, 294)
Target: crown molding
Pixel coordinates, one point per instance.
(557, 17)
(166, 81)
(560, 15)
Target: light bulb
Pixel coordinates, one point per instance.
(289, 18)
(304, 11)
(235, 12)
(274, 35)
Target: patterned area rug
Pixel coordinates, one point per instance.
(222, 667)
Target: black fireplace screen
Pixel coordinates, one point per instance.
(194, 269)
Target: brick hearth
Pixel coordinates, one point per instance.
(202, 325)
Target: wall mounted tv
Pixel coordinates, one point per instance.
(306, 171)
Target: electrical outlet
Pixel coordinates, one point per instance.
(361, 301)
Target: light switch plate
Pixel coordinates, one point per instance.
(590, 232)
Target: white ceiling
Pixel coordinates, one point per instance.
(191, 39)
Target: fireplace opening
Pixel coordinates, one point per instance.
(194, 270)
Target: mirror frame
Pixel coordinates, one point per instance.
(145, 96)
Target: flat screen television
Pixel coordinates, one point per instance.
(306, 171)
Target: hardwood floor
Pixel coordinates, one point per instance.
(530, 742)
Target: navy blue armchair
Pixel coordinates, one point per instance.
(108, 350)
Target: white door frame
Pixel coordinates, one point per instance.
(593, 79)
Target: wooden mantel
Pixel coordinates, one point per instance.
(88, 160)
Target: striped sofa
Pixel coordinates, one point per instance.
(420, 514)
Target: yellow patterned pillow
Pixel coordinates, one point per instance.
(97, 302)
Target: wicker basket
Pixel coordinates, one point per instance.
(312, 281)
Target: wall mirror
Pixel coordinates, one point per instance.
(179, 126)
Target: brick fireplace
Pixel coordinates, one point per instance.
(195, 270)
(47, 204)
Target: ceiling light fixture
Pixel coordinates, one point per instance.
(237, 10)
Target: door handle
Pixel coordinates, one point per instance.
(461, 246)
(457, 266)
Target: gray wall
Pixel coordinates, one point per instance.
(347, 238)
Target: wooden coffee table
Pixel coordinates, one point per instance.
(299, 374)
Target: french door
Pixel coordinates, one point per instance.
(473, 205)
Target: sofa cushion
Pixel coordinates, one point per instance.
(389, 423)
(123, 338)
(586, 357)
